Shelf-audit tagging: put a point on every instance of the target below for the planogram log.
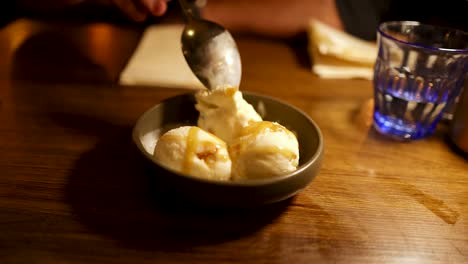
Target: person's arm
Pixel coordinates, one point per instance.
(277, 18)
(43, 5)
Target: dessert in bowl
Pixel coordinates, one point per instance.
(209, 155)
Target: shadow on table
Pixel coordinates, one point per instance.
(453, 147)
(111, 193)
(362, 119)
(53, 56)
(299, 45)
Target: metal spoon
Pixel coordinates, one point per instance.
(209, 50)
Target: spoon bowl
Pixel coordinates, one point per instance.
(210, 51)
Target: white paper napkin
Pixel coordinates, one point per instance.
(336, 54)
(158, 61)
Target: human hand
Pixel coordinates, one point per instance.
(139, 10)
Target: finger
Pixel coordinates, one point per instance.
(131, 10)
(156, 7)
(160, 8)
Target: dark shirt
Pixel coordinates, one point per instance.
(8, 12)
(361, 17)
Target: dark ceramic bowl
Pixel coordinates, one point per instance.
(180, 110)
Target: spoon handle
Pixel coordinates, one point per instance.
(190, 9)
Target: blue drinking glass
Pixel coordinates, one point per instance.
(418, 73)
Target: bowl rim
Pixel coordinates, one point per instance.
(385, 34)
(237, 183)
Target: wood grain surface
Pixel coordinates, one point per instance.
(72, 188)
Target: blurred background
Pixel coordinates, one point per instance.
(358, 17)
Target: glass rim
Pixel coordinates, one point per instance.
(416, 23)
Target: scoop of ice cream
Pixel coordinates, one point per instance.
(193, 151)
(264, 149)
(224, 112)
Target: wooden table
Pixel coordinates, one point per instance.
(72, 188)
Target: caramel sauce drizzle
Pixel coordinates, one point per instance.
(209, 153)
(167, 138)
(230, 91)
(258, 127)
(255, 128)
(290, 155)
(192, 142)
